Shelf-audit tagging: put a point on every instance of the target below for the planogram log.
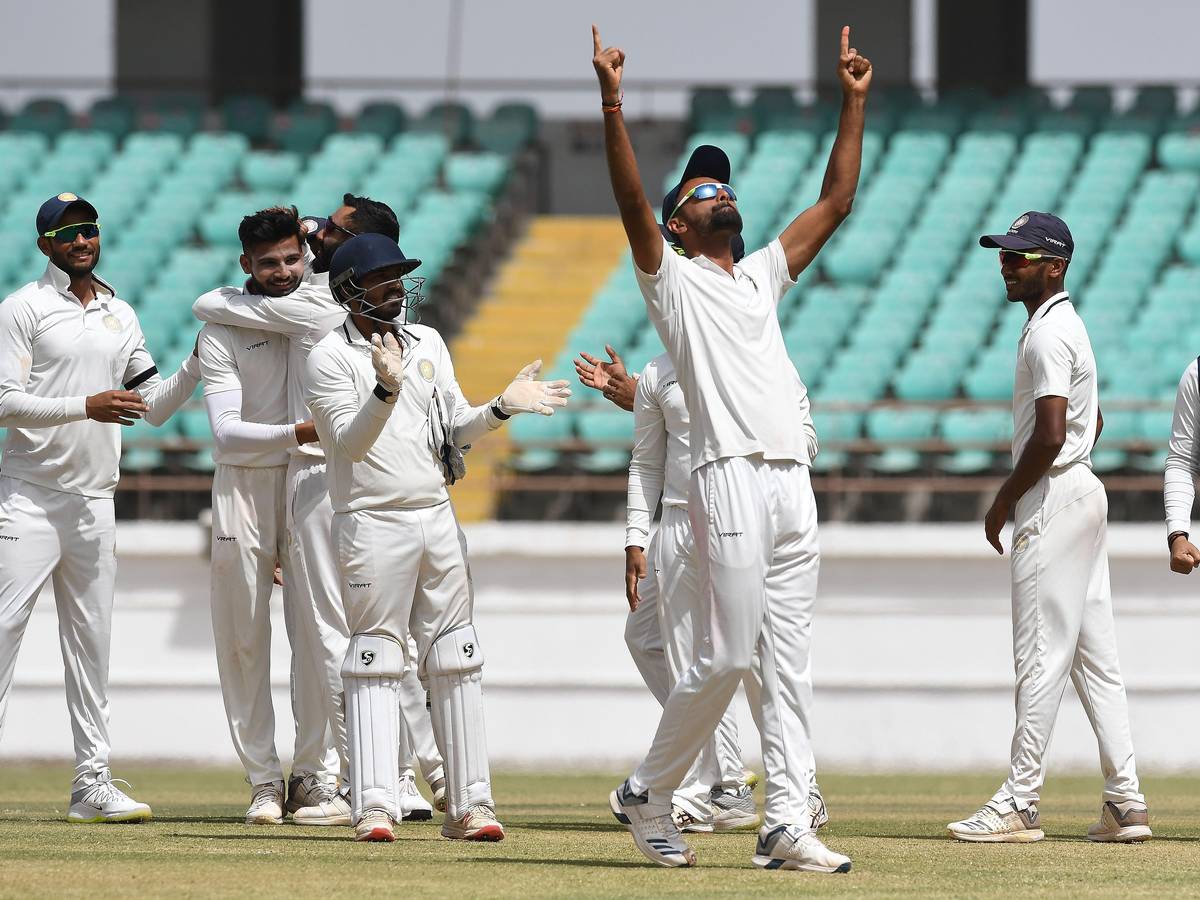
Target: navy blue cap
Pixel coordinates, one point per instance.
(313, 224)
(1034, 231)
(706, 161)
(51, 212)
(364, 254)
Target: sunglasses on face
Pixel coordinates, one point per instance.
(1017, 258)
(67, 233)
(329, 223)
(705, 191)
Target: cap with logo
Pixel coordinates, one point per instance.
(313, 224)
(364, 254)
(1034, 231)
(51, 212)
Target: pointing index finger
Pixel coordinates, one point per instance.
(596, 39)
(845, 39)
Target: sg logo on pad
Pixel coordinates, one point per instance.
(367, 657)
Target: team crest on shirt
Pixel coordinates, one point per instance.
(111, 322)
(425, 367)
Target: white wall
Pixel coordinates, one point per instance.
(72, 42)
(1113, 40)
(546, 45)
(912, 653)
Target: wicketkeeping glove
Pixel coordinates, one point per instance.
(527, 395)
(388, 360)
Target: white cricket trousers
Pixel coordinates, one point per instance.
(1063, 626)
(248, 540)
(69, 538)
(755, 528)
(662, 636)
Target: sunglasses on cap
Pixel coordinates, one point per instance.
(67, 233)
(705, 191)
(1018, 258)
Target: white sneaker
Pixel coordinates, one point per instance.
(787, 847)
(308, 789)
(334, 810)
(999, 823)
(1125, 822)
(266, 804)
(654, 832)
(103, 801)
(438, 786)
(687, 821)
(375, 826)
(734, 809)
(817, 810)
(479, 823)
(413, 807)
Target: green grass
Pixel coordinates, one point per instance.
(562, 841)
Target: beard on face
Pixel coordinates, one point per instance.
(724, 218)
(62, 259)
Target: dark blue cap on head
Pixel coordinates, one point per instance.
(313, 224)
(1034, 231)
(51, 212)
(706, 161)
(364, 254)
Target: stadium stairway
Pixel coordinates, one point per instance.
(538, 295)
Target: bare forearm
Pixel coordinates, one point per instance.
(845, 159)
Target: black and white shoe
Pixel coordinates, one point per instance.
(788, 847)
(654, 832)
(733, 809)
(817, 811)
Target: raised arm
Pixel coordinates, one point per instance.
(809, 231)
(641, 228)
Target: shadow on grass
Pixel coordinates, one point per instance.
(565, 826)
(578, 863)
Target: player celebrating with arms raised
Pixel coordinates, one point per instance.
(1061, 603)
(752, 508)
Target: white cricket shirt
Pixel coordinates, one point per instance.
(256, 364)
(722, 334)
(661, 464)
(1179, 484)
(303, 317)
(54, 353)
(386, 455)
(1054, 359)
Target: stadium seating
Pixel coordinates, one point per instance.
(902, 306)
(171, 195)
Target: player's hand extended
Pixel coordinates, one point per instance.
(1184, 555)
(115, 406)
(609, 378)
(528, 395)
(853, 70)
(994, 521)
(610, 66)
(635, 570)
(388, 359)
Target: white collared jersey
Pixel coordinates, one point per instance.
(722, 334)
(1055, 359)
(54, 353)
(303, 317)
(401, 467)
(1183, 460)
(661, 464)
(255, 363)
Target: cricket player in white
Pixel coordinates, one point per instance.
(392, 420)
(1179, 476)
(1061, 602)
(750, 500)
(251, 434)
(65, 341)
(302, 318)
(661, 582)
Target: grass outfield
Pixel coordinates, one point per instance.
(562, 841)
